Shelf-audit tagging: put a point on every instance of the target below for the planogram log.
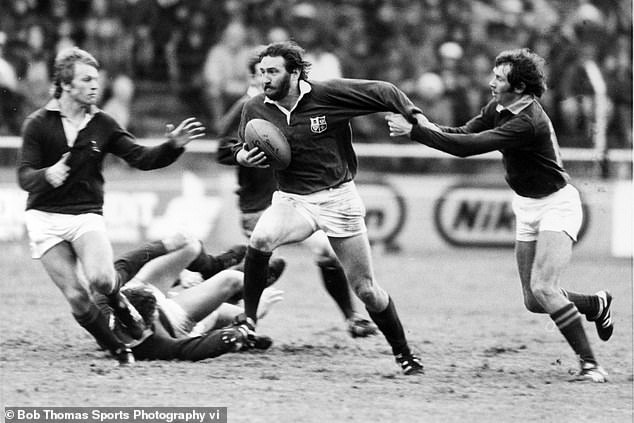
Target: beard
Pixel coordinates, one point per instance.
(282, 90)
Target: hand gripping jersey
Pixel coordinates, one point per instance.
(523, 134)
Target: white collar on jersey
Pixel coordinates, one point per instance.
(304, 88)
(521, 103)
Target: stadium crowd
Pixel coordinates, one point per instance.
(438, 52)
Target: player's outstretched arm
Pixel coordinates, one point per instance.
(187, 130)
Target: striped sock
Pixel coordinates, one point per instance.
(568, 320)
(588, 305)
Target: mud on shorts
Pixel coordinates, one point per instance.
(338, 211)
(560, 212)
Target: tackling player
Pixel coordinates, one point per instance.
(546, 206)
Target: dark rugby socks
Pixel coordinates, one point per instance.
(96, 323)
(205, 264)
(568, 321)
(256, 269)
(336, 284)
(588, 305)
(389, 324)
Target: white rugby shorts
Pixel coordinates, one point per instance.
(49, 229)
(338, 211)
(559, 212)
(180, 321)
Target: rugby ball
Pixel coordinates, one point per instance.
(269, 138)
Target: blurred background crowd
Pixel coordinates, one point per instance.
(164, 59)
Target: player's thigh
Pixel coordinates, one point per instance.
(60, 264)
(280, 224)
(524, 257)
(202, 299)
(552, 254)
(96, 256)
(355, 256)
(319, 244)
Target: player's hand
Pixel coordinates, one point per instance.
(270, 296)
(252, 158)
(56, 175)
(398, 125)
(188, 130)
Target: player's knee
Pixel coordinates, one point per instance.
(366, 292)
(543, 291)
(102, 281)
(327, 261)
(262, 242)
(192, 248)
(232, 282)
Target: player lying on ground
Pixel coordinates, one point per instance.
(546, 206)
(173, 330)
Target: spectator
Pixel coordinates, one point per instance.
(308, 30)
(455, 82)
(190, 53)
(8, 94)
(119, 104)
(225, 73)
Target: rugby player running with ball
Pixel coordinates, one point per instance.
(317, 191)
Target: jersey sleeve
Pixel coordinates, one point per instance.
(32, 163)
(510, 135)
(160, 346)
(367, 96)
(123, 144)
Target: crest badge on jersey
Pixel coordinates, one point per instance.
(318, 124)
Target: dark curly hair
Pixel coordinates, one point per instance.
(526, 68)
(144, 301)
(64, 66)
(292, 54)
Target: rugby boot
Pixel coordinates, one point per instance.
(359, 327)
(604, 322)
(124, 356)
(410, 364)
(591, 372)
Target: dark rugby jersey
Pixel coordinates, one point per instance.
(523, 134)
(44, 142)
(256, 185)
(318, 128)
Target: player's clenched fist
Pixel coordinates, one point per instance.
(57, 174)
